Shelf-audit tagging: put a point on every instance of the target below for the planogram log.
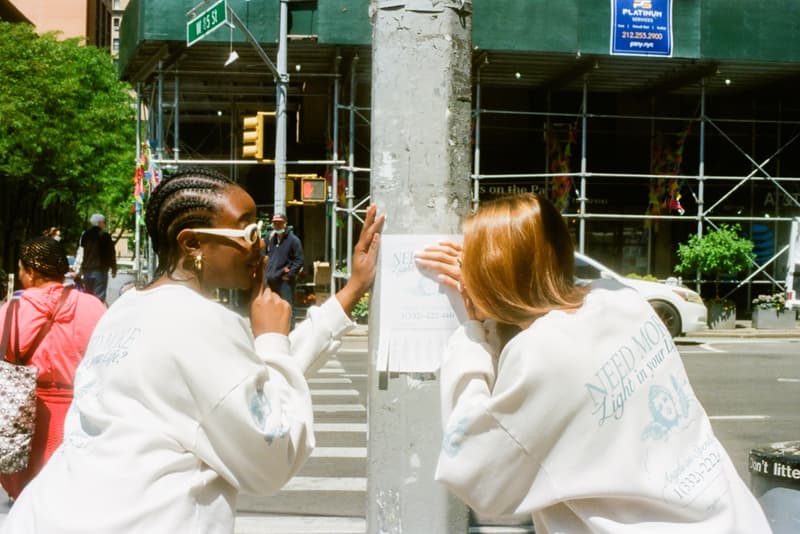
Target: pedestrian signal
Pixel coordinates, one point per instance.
(314, 190)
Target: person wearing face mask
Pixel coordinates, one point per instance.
(284, 261)
(53, 232)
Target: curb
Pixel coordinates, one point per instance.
(751, 333)
(743, 332)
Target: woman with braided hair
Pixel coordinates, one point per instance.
(42, 265)
(180, 403)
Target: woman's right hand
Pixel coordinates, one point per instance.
(269, 313)
(444, 259)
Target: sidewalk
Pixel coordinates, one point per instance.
(744, 329)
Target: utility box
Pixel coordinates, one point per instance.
(775, 482)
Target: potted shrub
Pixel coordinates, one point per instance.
(360, 311)
(769, 311)
(722, 252)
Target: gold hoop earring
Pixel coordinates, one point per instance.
(198, 263)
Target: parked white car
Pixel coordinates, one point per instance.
(681, 309)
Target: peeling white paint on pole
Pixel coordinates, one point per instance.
(421, 149)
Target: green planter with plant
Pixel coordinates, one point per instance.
(770, 311)
(722, 252)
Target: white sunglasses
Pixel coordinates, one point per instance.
(250, 233)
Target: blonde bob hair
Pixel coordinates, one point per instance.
(518, 260)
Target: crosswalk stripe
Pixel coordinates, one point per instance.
(738, 417)
(332, 371)
(259, 523)
(331, 408)
(326, 484)
(339, 452)
(329, 381)
(335, 392)
(340, 427)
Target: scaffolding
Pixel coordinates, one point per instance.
(151, 107)
(345, 114)
(704, 217)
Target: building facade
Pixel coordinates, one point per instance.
(638, 150)
(95, 21)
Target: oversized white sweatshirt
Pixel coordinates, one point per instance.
(178, 409)
(587, 421)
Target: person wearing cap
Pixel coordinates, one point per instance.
(284, 261)
(98, 257)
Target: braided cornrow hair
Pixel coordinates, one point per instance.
(46, 256)
(188, 198)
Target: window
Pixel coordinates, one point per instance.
(116, 4)
(115, 23)
(115, 46)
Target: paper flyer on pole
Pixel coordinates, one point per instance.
(417, 313)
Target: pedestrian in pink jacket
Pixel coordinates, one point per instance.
(42, 266)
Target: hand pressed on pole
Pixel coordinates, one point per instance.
(365, 258)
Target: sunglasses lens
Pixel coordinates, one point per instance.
(252, 234)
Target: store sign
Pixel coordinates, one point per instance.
(641, 27)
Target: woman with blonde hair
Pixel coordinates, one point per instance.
(564, 421)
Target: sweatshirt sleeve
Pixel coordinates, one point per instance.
(481, 460)
(260, 433)
(317, 337)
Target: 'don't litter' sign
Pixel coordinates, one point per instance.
(641, 27)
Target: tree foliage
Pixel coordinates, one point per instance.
(721, 252)
(67, 137)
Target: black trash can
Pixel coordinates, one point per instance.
(775, 482)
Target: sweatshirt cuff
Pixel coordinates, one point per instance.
(272, 343)
(469, 352)
(337, 319)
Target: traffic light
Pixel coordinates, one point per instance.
(314, 190)
(253, 136)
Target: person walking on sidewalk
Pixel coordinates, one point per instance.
(181, 403)
(98, 257)
(585, 419)
(42, 265)
(284, 261)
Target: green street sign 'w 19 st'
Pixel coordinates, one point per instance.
(206, 22)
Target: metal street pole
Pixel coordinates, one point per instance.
(281, 74)
(282, 84)
(420, 150)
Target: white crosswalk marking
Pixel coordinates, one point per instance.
(329, 494)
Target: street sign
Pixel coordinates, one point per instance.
(207, 21)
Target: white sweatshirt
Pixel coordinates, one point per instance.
(589, 424)
(178, 409)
